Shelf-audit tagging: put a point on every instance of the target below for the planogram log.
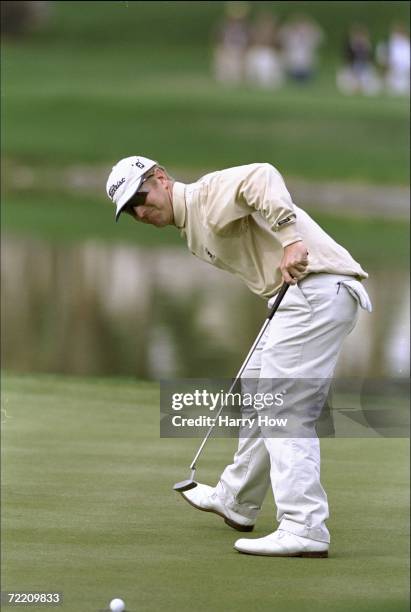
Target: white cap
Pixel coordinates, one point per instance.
(125, 179)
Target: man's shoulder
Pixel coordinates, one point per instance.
(235, 172)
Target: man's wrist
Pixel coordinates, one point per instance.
(288, 235)
(292, 243)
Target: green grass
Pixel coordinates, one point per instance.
(88, 510)
(60, 217)
(76, 94)
(65, 217)
(190, 23)
(59, 109)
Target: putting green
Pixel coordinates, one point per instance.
(88, 510)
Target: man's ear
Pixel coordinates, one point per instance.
(161, 175)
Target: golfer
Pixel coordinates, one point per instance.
(243, 220)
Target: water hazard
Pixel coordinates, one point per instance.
(94, 309)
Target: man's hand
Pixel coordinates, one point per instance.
(294, 262)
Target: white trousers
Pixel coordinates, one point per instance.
(303, 340)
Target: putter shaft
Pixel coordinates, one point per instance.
(274, 308)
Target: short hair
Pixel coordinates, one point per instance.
(158, 167)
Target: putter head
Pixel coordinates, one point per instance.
(184, 485)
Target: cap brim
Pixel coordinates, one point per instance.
(127, 196)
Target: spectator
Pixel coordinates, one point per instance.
(358, 74)
(394, 56)
(263, 63)
(19, 18)
(300, 39)
(232, 40)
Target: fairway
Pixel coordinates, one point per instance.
(88, 510)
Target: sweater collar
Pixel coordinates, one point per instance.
(179, 204)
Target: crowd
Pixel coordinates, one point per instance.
(265, 53)
(369, 70)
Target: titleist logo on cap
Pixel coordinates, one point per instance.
(114, 187)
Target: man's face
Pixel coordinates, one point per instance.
(153, 203)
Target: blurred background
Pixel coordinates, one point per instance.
(318, 89)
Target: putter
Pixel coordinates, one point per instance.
(190, 483)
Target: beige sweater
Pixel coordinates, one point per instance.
(240, 219)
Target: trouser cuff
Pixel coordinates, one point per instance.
(320, 534)
(249, 511)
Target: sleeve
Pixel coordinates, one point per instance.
(264, 190)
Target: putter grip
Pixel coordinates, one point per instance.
(278, 300)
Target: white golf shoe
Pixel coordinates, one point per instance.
(283, 544)
(204, 497)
